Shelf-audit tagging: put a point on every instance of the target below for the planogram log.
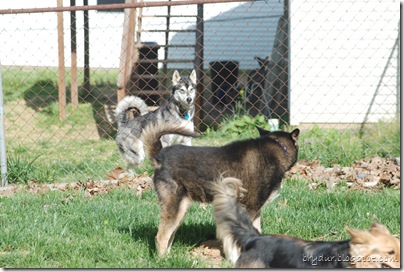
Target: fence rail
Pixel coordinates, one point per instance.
(141, 4)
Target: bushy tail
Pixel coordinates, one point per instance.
(233, 226)
(133, 105)
(154, 131)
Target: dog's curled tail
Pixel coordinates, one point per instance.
(133, 104)
(154, 131)
(233, 226)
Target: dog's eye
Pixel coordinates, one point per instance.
(391, 252)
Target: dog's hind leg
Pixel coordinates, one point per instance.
(173, 211)
(256, 219)
(167, 140)
(187, 141)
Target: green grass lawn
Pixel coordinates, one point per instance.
(117, 230)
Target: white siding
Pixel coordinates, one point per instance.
(339, 51)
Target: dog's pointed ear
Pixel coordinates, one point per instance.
(295, 134)
(262, 131)
(176, 77)
(377, 227)
(359, 236)
(192, 77)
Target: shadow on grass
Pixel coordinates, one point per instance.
(102, 97)
(187, 234)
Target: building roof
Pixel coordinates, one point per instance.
(238, 34)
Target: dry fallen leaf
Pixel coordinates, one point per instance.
(372, 173)
(114, 175)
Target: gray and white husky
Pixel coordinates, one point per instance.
(133, 115)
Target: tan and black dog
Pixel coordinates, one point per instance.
(185, 173)
(247, 248)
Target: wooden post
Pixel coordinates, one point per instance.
(199, 67)
(126, 57)
(86, 84)
(73, 69)
(61, 57)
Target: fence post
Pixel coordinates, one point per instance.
(86, 83)
(126, 60)
(3, 159)
(199, 66)
(73, 67)
(61, 57)
(398, 76)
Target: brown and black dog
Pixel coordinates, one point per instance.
(247, 248)
(185, 173)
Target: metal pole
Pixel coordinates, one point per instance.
(377, 88)
(3, 159)
(398, 76)
(286, 13)
(199, 66)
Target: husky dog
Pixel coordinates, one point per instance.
(185, 173)
(375, 248)
(133, 116)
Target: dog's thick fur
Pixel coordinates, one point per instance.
(133, 115)
(365, 249)
(185, 173)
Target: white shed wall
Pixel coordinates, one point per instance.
(339, 51)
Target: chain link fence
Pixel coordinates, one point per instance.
(304, 63)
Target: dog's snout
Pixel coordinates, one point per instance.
(189, 100)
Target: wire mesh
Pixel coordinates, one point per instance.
(305, 63)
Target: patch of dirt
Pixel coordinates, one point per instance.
(210, 250)
(369, 174)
